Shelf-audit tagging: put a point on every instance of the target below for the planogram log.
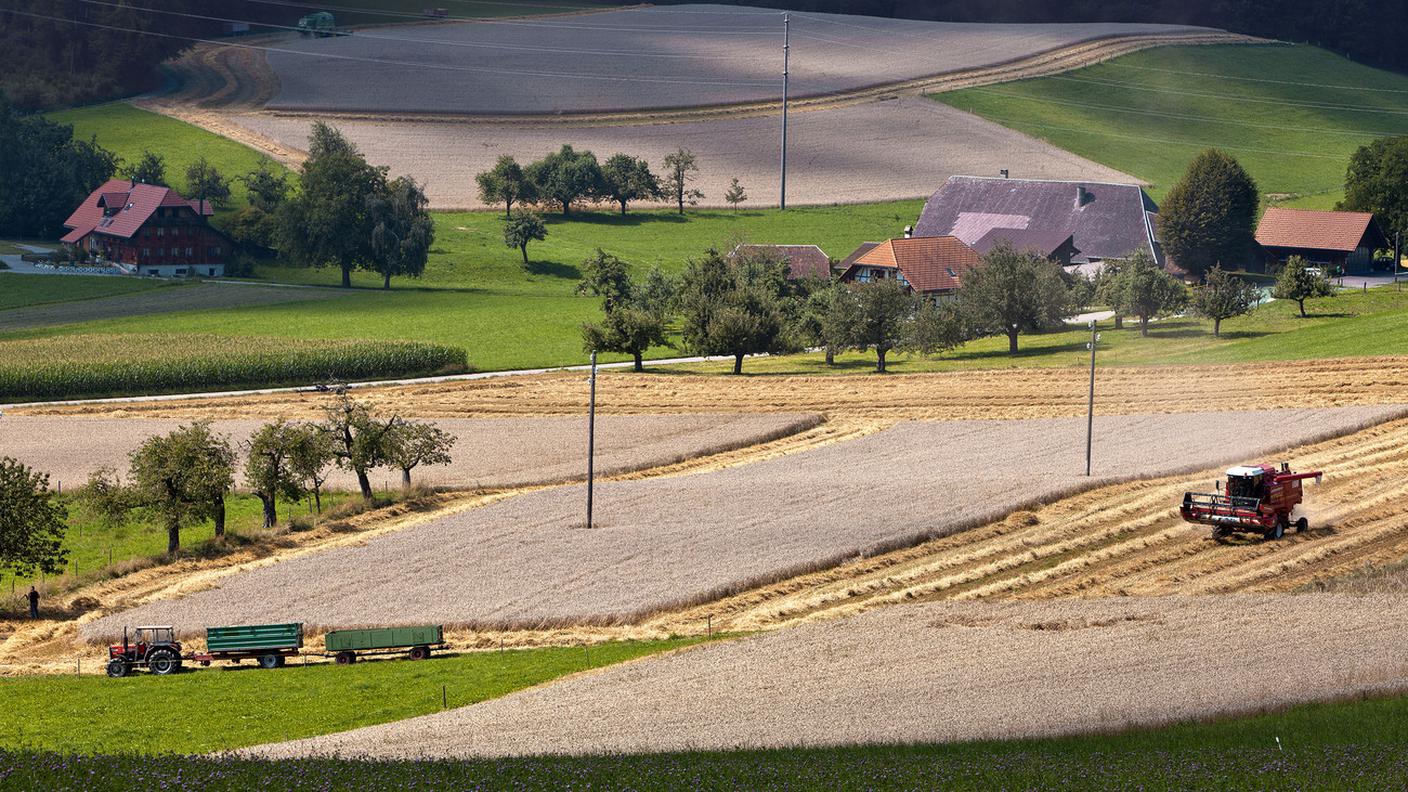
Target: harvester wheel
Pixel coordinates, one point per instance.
(345, 658)
(1301, 525)
(117, 668)
(1279, 530)
(269, 661)
(163, 662)
(420, 652)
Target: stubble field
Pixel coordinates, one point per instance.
(935, 672)
(670, 542)
(489, 453)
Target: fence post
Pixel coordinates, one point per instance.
(711, 625)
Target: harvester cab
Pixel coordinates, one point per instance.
(153, 647)
(1257, 499)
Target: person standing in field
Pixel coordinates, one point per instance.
(33, 603)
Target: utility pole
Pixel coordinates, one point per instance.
(1090, 403)
(786, 55)
(591, 442)
(1397, 253)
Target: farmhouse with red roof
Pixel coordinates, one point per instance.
(931, 266)
(145, 229)
(1346, 240)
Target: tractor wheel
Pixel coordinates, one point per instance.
(1301, 525)
(117, 668)
(269, 661)
(1279, 530)
(345, 658)
(163, 662)
(420, 652)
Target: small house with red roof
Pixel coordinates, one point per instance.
(932, 266)
(1344, 240)
(146, 229)
(803, 261)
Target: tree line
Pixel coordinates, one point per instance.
(183, 477)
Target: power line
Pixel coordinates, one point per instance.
(538, 23)
(1231, 97)
(414, 40)
(1182, 116)
(410, 64)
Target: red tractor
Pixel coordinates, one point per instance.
(1257, 499)
(155, 649)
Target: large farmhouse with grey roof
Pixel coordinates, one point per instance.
(1073, 222)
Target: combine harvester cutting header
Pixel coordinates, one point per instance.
(1257, 499)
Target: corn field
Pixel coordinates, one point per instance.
(76, 366)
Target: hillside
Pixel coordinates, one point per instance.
(1291, 114)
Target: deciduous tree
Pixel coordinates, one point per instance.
(626, 178)
(360, 440)
(1148, 290)
(681, 168)
(204, 182)
(829, 318)
(327, 223)
(883, 311)
(32, 521)
(150, 168)
(565, 177)
(607, 277)
(311, 457)
(268, 469)
(505, 183)
(522, 228)
(1013, 293)
(734, 309)
(1299, 281)
(1377, 181)
(47, 173)
(1223, 295)
(402, 229)
(1207, 218)
(735, 194)
(412, 444)
(183, 477)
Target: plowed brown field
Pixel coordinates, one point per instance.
(995, 393)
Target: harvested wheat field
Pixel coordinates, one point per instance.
(979, 394)
(642, 57)
(914, 144)
(935, 672)
(488, 453)
(1119, 540)
(669, 542)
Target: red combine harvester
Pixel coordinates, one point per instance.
(1257, 499)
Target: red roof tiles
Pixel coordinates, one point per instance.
(929, 264)
(803, 261)
(1313, 229)
(120, 207)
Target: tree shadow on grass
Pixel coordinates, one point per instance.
(554, 269)
(617, 219)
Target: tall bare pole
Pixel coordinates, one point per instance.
(786, 55)
(591, 442)
(1090, 403)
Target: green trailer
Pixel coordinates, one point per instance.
(345, 646)
(270, 644)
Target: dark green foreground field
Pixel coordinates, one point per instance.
(1351, 745)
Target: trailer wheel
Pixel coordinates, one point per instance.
(163, 662)
(117, 668)
(419, 652)
(269, 661)
(1301, 525)
(345, 658)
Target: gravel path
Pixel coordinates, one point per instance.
(903, 148)
(489, 452)
(935, 672)
(667, 542)
(652, 57)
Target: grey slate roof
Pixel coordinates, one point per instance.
(1113, 221)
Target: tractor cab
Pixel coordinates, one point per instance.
(143, 640)
(1247, 481)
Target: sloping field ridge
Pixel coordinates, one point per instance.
(670, 542)
(935, 672)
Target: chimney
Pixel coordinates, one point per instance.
(908, 232)
(1083, 196)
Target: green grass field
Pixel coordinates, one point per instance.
(1292, 115)
(1342, 746)
(127, 131)
(221, 707)
(20, 290)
